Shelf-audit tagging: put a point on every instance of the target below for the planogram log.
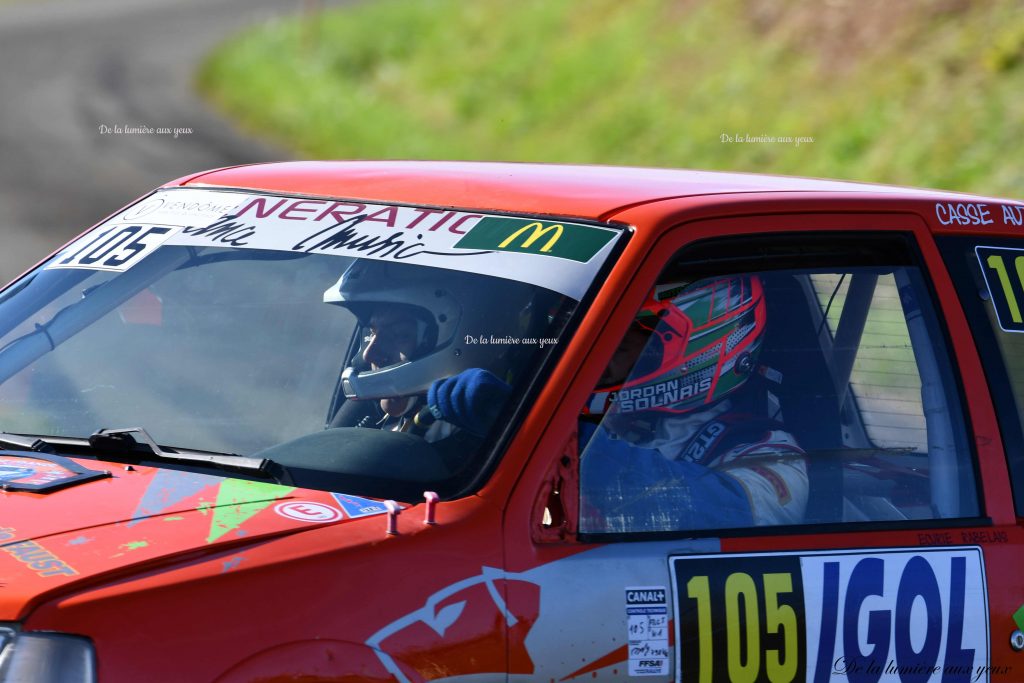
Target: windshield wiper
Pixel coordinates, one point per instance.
(25, 442)
(136, 440)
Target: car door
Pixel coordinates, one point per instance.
(797, 476)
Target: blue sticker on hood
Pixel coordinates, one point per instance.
(42, 472)
(354, 506)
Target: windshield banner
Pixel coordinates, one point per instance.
(558, 255)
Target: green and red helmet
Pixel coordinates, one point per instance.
(690, 346)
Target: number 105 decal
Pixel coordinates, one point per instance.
(116, 249)
(907, 615)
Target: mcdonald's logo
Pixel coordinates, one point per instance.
(571, 241)
(539, 230)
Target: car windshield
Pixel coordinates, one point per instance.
(312, 332)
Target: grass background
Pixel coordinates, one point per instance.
(917, 92)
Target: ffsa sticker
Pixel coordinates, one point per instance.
(896, 615)
(647, 625)
(117, 248)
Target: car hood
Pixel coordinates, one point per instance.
(86, 528)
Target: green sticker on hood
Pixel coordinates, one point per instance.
(238, 500)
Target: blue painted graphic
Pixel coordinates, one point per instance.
(169, 488)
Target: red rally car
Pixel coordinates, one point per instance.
(483, 422)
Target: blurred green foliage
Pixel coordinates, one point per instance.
(925, 92)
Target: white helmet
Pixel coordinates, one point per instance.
(453, 310)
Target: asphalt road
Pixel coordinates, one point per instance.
(69, 68)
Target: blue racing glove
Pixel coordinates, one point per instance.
(470, 400)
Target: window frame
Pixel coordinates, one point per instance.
(1008, 415)
(848, 229)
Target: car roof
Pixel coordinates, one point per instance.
(586, 191)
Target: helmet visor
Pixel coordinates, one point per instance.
(392, 334)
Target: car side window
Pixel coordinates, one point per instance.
(819, 391)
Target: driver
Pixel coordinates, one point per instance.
(683, 432)
(417, 369)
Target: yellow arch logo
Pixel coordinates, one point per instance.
(539, 230)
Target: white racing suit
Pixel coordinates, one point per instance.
(709, 470)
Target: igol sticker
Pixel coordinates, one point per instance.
(880, 615)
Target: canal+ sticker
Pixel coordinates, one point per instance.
(888, 615)
(647, 630)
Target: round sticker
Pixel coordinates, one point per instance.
(142, 209)
(305, 511)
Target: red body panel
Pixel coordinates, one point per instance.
(585, 191)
